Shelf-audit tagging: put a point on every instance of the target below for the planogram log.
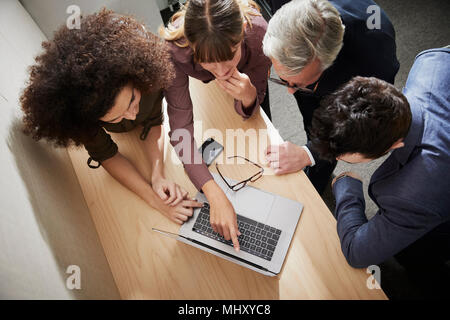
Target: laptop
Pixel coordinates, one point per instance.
(267, 223)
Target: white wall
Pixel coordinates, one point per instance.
(45, 225)
(50, 14)
(162, 4)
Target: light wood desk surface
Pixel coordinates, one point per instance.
(147, 265)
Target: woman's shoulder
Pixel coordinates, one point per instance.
(258, 21)
(180, 54)
(254, 33)
(258, 24)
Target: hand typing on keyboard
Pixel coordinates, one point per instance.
(256, 238)
(223, 218)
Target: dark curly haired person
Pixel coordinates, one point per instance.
(106, 76)
(367, 118)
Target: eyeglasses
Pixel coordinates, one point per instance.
(286, 84)
(238, 186)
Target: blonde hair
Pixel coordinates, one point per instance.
(212, 28)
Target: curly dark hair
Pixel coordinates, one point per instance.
(76, 80)
(365, 115)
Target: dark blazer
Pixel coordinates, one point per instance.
(365, 52)
(412, 187)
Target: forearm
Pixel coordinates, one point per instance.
(350, 204)
(123, 171)
(350, 215)
(397, 224)
(154, 149)
(250, 100)
(180, 111)
(212, 190)
(182, 140)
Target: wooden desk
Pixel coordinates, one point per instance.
(147, 265)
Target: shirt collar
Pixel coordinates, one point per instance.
(414, 135)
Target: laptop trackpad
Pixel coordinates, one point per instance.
(252, 203)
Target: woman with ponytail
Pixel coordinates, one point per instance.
(215, 40)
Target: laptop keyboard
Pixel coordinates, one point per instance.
(256, 238)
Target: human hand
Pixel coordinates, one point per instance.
(348, 173)
(171, 193)
(240, 87)
(181, 212)
(286, 158)
(223, 219)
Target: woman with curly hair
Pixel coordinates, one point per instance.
(106, 76)
(216, 40)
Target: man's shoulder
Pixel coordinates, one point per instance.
(370, 48)
(434, 52)
(358, 17)
(423, 181)
(427, 85)
(356, 10)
